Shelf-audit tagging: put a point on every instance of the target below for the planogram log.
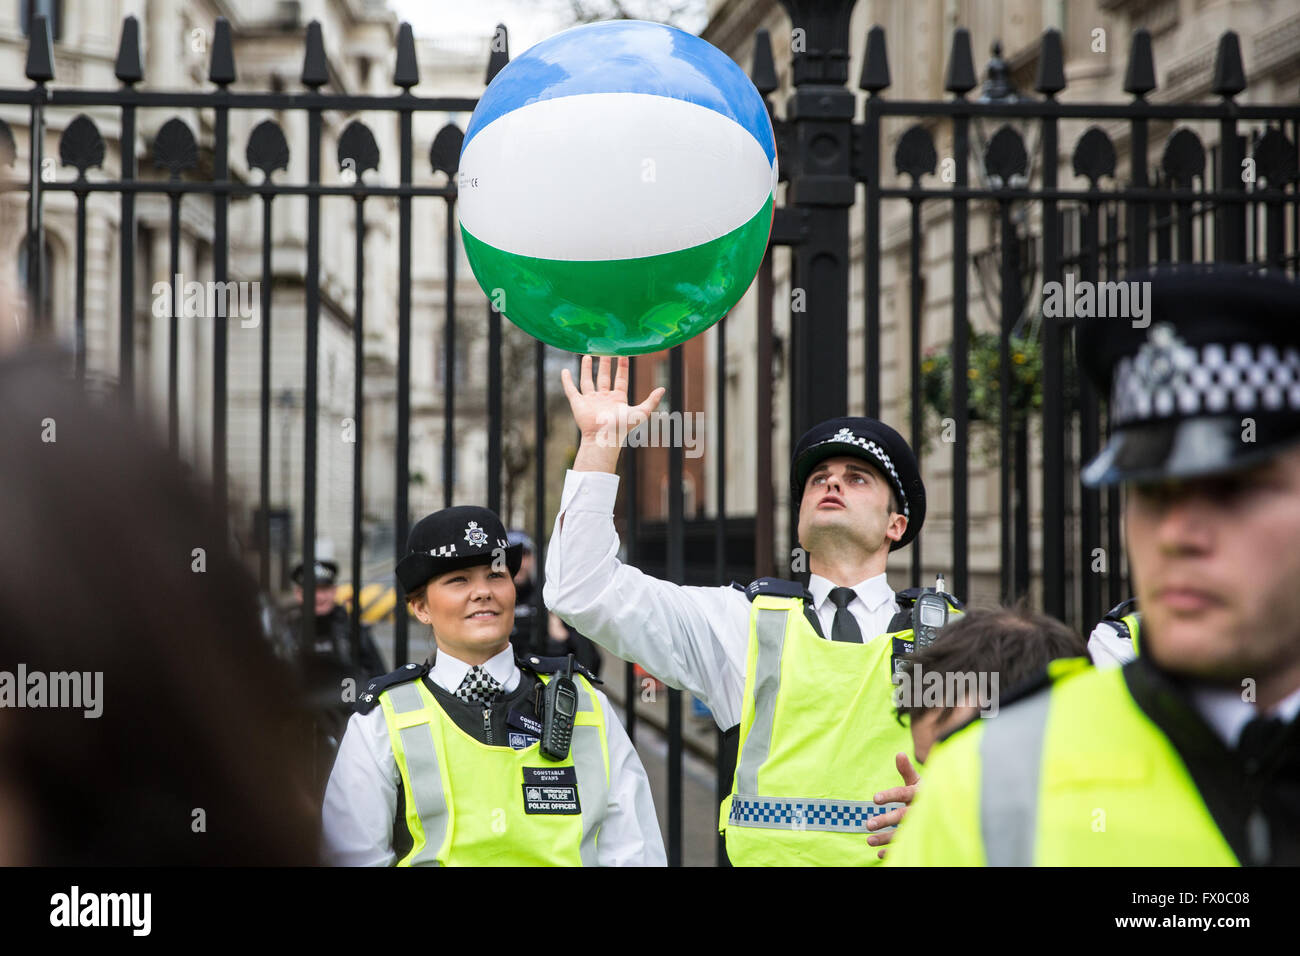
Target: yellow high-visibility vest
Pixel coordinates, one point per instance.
(818, 739)
(1075, 775)
(471, 804)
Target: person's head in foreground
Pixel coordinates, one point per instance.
(976, 660)
(458, 575)
(145, 719)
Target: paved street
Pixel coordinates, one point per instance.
(699, 806)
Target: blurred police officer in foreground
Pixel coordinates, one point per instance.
(800, 677)
(478, 757)
(1189, 754)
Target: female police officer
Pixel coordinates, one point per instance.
(465, 760)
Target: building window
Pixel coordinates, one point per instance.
(51, 10)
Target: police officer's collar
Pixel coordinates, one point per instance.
(448, 672)
(1225, 711)
(554, 665)
(874, 592)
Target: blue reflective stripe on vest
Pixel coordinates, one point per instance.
(805, 814)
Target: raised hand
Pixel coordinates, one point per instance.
(602, 413)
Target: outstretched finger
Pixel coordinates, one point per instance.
(880, 839)
(891, 819)
(651, 402)
(570, 390)
(587, 385)
(896, 795)
(602, 374)
(906, 770)
(620, 375)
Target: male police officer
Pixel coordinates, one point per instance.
(330, 650)
(797, 670)
(477, 758)
(328, 673)
(1189, 754)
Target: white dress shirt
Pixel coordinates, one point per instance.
(1108, 648)
(1225, 711)
(361, 797)
(692, 638)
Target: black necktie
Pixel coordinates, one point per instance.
(1259, 739)
(845, 626)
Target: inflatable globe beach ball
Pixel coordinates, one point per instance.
(616, 187)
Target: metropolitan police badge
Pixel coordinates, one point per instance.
(475, 535)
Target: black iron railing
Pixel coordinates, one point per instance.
(1186, 207)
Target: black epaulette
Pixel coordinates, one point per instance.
(554, 665)
(908, 597)
(369, 700)
(777, 586)
(902, 620)
(1119, 610)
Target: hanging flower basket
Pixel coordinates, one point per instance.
(983, 384)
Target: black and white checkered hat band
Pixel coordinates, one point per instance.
(846, 437)
(449, 550)
(1210, 380)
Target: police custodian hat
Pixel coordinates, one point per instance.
(1210, 382)
(455, 538)
(326, 572)
(872, 441)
